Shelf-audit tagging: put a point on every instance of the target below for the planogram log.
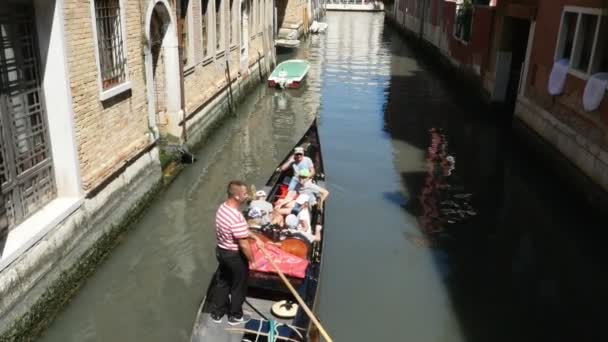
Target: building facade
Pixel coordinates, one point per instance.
(567, 106)
(461, 30)
(90, 91)
(294, 17)
(514, 49)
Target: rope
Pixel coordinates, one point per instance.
(271, 331)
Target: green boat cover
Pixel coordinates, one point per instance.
(294, 69)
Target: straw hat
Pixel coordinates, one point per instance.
(283, 309)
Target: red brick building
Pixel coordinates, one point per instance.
(511, 46)
(575, 32)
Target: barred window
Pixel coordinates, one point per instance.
(110, 43)
(218, 24)
(204, 26)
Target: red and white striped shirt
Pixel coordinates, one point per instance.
(230, 225)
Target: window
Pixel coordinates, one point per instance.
(110, 46)
(252, 18)
(218, 25)
(205, 26)
(261, 21)
(231, 30)
(185, 40)
(244, 14)
(463, 21)
(580, 41)
(569, 24)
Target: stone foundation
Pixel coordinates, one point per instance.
(34, 286)
(588, 162)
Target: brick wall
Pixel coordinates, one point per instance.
(290, 12)
(207, 77)
(112, 131)
(109, 132)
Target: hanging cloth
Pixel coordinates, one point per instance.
(594, 91)
(557, 79)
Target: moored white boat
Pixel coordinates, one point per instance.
(289, 74)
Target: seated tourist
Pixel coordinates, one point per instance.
(259, 206)
(306, 186)
(300, 223)
(298, 162)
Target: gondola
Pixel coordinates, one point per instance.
(266, 289)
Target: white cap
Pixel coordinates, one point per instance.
(298, 150)
(291, 221)
(260, 193)
(302, 198)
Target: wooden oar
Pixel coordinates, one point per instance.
(293, 291)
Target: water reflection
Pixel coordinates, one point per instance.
(502, 228)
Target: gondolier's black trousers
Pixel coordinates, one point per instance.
(230, 278)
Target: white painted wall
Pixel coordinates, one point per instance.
(57, 95)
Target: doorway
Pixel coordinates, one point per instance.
(511, 58)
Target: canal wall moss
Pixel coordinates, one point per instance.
(36, 286)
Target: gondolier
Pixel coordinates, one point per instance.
(232, 252)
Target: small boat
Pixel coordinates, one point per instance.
(267, 289)
(287, 43)
(289, 74)
(318, 27)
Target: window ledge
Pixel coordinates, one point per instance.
(581, 75)
(207, 60)
(578, 74)
(30, 231)
(233, 47)
(220, 54)
(119, 89)
(188, 70)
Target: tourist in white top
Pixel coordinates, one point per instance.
(301, 222)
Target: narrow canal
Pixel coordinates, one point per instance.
(441, 226)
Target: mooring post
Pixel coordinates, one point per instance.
(230, 96)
